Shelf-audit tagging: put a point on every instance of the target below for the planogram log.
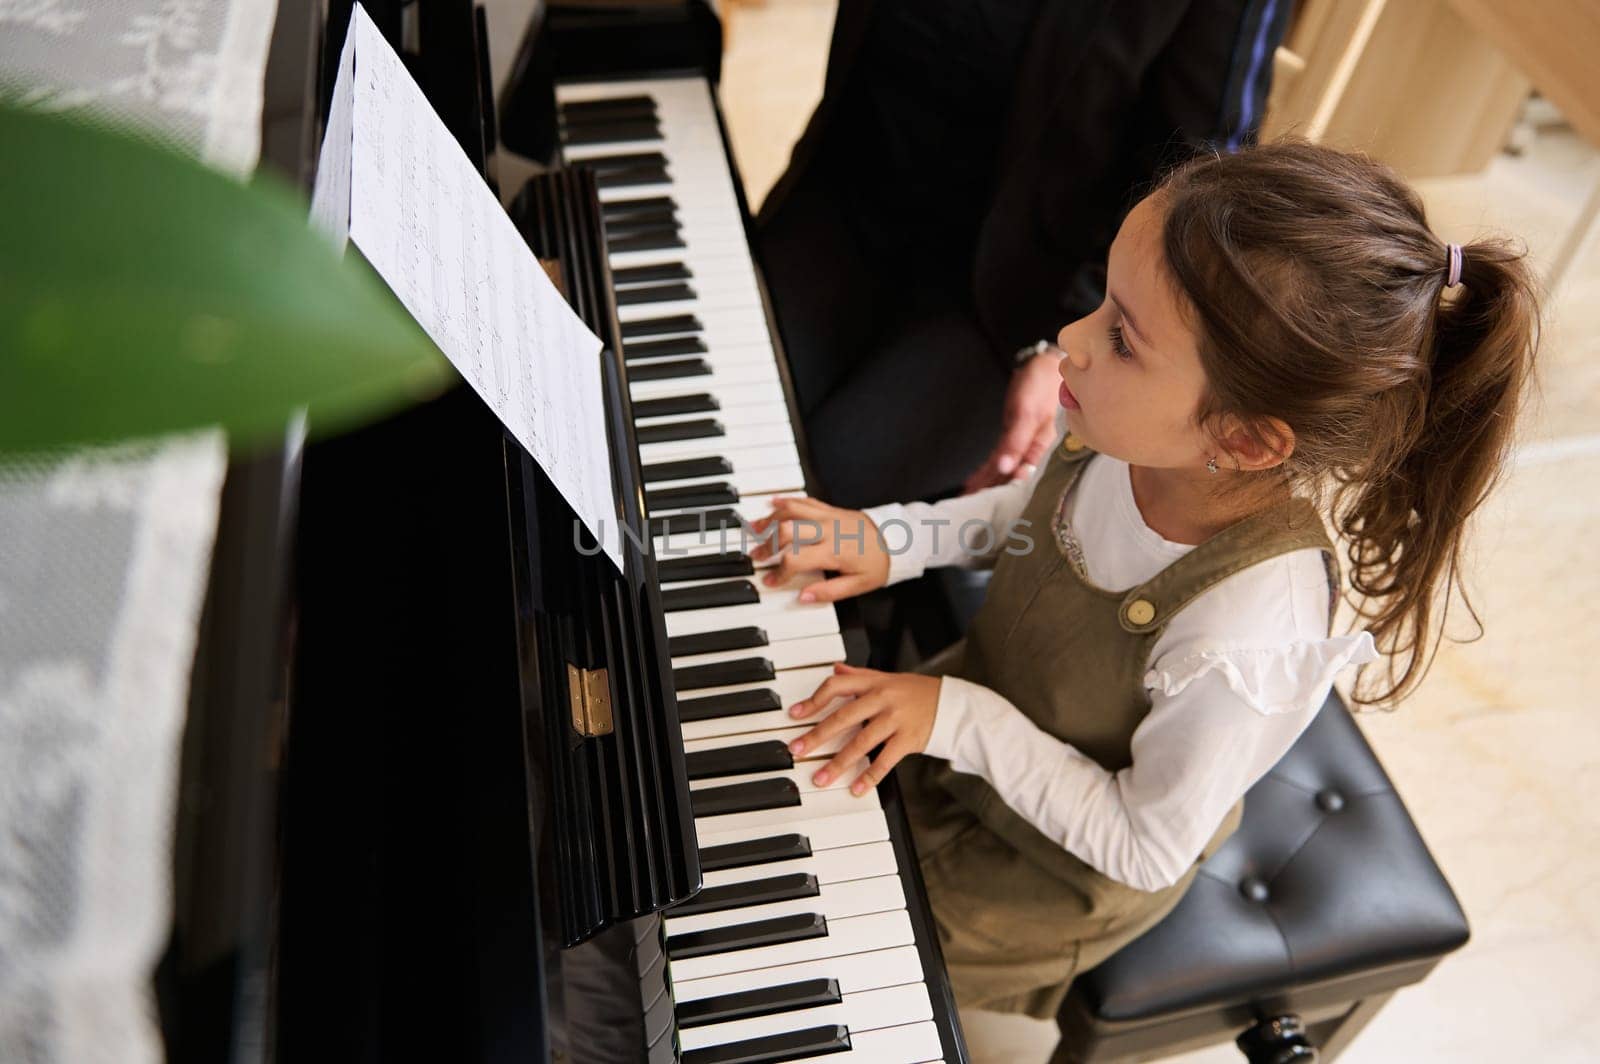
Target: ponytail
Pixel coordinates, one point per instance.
(1405, 525)
(1321, 298)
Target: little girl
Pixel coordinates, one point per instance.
(1282, 337)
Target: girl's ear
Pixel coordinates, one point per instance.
(1268, 443)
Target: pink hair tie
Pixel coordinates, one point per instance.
(1455, 267)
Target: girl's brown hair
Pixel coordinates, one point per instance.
(1320, 299)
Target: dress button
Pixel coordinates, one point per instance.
(1141, 612)
(1330, 800)
(1255, 889)
(1072, 445)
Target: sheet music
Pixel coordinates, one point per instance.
(330, 194)
(426, 221)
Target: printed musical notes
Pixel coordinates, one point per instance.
(426, 221)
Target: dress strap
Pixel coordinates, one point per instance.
(1289, 526)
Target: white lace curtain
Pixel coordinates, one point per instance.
(103, 562)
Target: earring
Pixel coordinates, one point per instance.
(1211, 464)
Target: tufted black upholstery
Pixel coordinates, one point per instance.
(1325, 879)
(1324, 901)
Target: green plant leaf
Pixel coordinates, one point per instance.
(142, 293)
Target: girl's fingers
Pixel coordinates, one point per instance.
(875, 732)
(835, 686)
(839, 587)
(842, 719)
(894, 751)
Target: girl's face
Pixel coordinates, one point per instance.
(1131, 378)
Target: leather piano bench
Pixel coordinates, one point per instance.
(1320, 906)
(1294, 934)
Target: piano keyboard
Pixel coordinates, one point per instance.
(799, 946)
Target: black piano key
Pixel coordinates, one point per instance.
(694, 429)
(779, 792)
(754, 935)
(665, 371)
(705, 596)
(754, 852)
(585, 133)
(710, 642)
(676, 323)
(698, 521)
(629, 276)
(742, 895)
(704, 566)
(602, 163)
(629, 224)
(692, 496)
(656, 293)
(572, 108)
(768, 755)
(732, 704)
(677, 345)
(639, 175)
(657, 239)
(723, 673)
(773, 1048)
(675, 404)
(764, 1001)
(622, 207)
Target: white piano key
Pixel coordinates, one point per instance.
(915, 1043)
(838, 901)
(732, 374)
(756, 727)
(728, 393)
(892, 1006)
(715, 357)
(782, 614)
(855, 972)
(829, 866)
(751, 507)
(851, 828)
(856, 934)
(763, 414)
(790, 685)
(703, 251)
(783, 653)
(817, 805)
(733, 271)
(707, 299)
(810, 761)
(735, 438)
(744, 481)
(801, 775)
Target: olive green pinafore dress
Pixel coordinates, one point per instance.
(1018, 916)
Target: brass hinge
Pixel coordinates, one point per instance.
(589, 691)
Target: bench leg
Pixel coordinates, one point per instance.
(1277, 1040)
(1336, 1037)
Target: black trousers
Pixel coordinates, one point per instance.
(919, 156)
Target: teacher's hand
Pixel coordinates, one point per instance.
(1028, 425)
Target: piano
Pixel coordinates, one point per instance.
(453, 788)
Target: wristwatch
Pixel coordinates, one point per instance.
(1024, 355)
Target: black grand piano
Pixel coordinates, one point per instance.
(453, 788)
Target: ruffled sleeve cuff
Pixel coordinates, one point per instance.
(1291, 678)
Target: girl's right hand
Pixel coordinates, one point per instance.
(806, 534)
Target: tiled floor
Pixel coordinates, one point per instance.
(1498, 755)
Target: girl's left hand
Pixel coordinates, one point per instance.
(893, 708)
